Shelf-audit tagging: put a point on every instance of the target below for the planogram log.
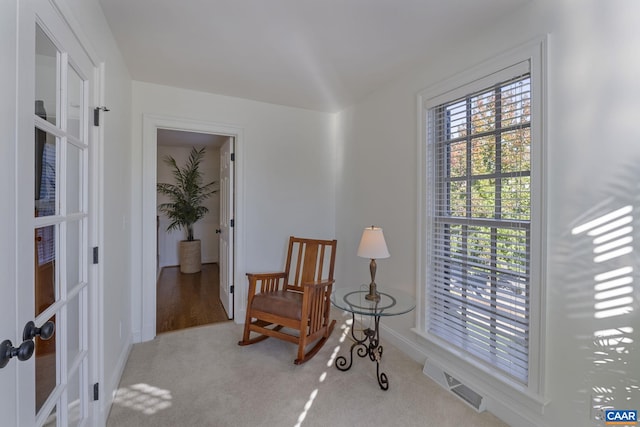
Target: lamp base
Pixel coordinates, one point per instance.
(373, 294)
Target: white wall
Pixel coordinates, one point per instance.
(286, 185)
(592, 168)
(116, 255)
(205, 229)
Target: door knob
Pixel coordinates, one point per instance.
(8, 351)
(45, 331)
(25, 350)
(218, 231)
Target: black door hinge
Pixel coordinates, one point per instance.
(96, 393)
(96, 115)
(232, 288)
(232, 223)
(233, 157)
(95, 255)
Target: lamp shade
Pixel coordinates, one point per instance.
(372, 244)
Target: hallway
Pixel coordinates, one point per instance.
(187, 300)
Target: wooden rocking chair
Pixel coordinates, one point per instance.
(297, 299)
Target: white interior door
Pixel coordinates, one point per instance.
(226, 226)
(53, 219)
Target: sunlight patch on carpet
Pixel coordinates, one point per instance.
(345, 330)
(143, 398)
(307, 406)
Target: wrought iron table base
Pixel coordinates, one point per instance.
(370, 346)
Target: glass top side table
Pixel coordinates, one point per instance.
(392, 302)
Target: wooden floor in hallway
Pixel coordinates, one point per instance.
(187, 300)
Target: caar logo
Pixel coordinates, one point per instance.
(621, 417)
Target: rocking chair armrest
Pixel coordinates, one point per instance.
(318, 283)
(262, 276)
(254, 278)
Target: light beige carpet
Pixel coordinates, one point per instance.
(201, 377)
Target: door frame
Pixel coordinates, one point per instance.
(150, 125)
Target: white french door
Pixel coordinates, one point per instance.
(53, 220)
(226, 228)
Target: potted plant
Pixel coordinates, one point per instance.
(185, 206)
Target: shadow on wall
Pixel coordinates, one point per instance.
(601, 292)
(598, 252)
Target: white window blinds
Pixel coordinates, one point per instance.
(478, 216)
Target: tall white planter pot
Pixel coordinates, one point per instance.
(190, 256)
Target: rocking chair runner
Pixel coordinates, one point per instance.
(297, 299)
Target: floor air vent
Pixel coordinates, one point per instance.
(464, 392)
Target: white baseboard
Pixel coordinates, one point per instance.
(111, 386)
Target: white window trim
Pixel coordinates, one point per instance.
(532, 395)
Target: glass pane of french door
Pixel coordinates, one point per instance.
(61, 236)
(46, 147)
(47, 56)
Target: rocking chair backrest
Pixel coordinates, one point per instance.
(309, 260)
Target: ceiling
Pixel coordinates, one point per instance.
(323, 55)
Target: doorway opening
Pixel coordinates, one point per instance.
(230, 142)
(194, 299)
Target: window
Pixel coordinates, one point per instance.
(478, 221)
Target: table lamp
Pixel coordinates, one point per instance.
(373, 246)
